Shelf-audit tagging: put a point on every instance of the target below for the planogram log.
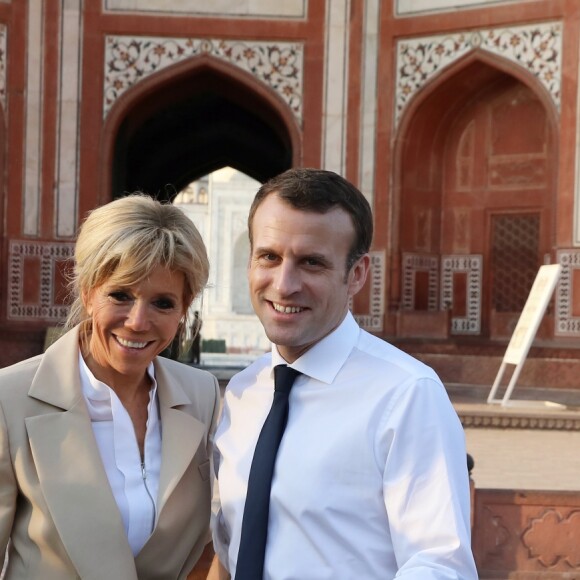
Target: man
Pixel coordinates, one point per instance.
(370, 479)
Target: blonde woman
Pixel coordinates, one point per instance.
(104, 446)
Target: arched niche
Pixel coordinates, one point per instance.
(476, 158)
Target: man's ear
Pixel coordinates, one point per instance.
(358, 274)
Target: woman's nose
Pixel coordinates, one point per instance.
(138, 318)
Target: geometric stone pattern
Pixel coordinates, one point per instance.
(565, 323)
(526, 534)
(48, 254)
(373, 321)
(471, 265)
(130, 59)
(514, 260)
(535, 47)
(413, 263)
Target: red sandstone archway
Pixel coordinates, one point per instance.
(193, 118)
(475, 179)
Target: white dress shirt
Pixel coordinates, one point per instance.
(134, 483)
(371, 477)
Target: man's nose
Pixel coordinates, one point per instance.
(287, 279)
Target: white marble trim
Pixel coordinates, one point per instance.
(369, 67)
(335, 96)
(68, 122)
(33, 123)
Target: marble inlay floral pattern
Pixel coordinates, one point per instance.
(130, 59)
(537, 48)
(47, 254)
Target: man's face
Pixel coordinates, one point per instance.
(297, 273)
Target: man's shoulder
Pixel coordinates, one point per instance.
(381, 354)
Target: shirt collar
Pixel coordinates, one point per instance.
(95, 390)
(323, 361)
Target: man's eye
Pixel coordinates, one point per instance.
(312, 262)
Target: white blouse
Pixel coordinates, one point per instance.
(135, 484)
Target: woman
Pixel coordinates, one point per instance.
(104, 446)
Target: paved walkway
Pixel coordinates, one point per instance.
(525, 459)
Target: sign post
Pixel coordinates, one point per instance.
(526, 329)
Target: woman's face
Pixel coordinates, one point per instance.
(133, 324)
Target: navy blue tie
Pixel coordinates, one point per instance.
(250, 564)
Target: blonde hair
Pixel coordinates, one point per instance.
(126, 239)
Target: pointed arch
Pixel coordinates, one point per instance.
(190, 119)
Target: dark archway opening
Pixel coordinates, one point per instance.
(198, 123)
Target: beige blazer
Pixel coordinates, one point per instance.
(56, 505)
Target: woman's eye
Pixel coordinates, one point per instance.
(165, 304)
(119, 296)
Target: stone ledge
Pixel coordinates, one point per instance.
(520, 417)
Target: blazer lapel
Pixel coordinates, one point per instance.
(181, 434)
(70, 470)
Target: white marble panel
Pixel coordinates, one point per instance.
(69, 95)
(33, 126)
(219, 8)
(415, 7)
(369, 98)
(335, 85)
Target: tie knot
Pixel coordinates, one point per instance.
(284, 378)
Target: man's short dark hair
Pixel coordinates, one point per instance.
(319, 191)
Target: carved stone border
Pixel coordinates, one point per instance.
(130, 59)
(413, 263)
(565, 323)
(472, 264)
(49, 254)
(537, 48)
(505, 420)
(373, 321)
